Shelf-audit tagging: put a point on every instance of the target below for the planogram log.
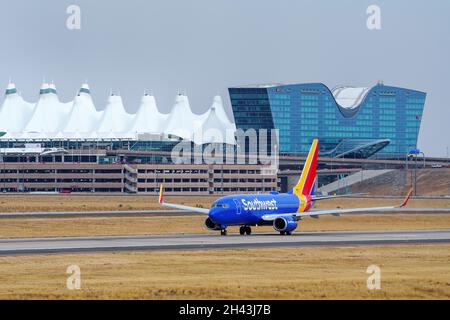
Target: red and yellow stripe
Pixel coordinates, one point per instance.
(308, 176)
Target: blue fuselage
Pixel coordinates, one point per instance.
(248, 209)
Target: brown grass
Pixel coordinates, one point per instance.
(407, 272)
(68, 203)
(430, 182)
(62, 203)
(88, 226)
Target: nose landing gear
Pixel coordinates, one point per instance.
(223, 232)
(245, 230)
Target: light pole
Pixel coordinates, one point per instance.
(424, 158)
(4, 171)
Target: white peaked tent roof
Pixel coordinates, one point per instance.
(115, 121)
(220, 109)
(51, 119)
(49, 114)
(182, 122)
(14, 112)
(214, 130)
(84, 117)
(148, 119)
(221, 113)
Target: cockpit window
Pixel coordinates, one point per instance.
(220, 205)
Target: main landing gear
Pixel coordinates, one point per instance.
(287, 233)
(245, 230)
(242, 230)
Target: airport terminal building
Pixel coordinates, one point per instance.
(51, 145)
(355, 122)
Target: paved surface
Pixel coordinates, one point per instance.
(205, 241)
(173, 213)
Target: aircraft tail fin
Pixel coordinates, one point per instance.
(306, 183)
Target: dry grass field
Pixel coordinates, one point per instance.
(63, 203)
(407, 272)
(72, 202)
(134, 225)
(430, 182)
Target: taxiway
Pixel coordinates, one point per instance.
(206, 241)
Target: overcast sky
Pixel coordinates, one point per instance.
(202, 47)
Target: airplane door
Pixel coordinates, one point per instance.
(238, 206)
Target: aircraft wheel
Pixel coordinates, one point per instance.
(282, 233)
(288, 233)
(223, 232)
(248, 230)
(242, 230)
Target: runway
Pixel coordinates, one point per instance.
(176, 213)
(209, 241)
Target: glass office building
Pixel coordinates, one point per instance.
(349, 121)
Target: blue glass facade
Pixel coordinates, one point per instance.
(385, 120)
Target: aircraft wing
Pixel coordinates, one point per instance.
(178, 206)
(316, 198)
(335, 212)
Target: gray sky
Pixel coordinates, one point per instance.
(203, 46)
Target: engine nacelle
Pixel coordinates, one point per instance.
(211, 225)
(285, 224)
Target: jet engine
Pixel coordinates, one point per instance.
(285, 224)
(211, 225)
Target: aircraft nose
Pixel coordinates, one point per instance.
(214, 215)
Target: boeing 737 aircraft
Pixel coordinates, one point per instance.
(281, 210)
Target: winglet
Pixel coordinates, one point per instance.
(407, 198)
(161, 194)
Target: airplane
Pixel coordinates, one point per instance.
(281, 210)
